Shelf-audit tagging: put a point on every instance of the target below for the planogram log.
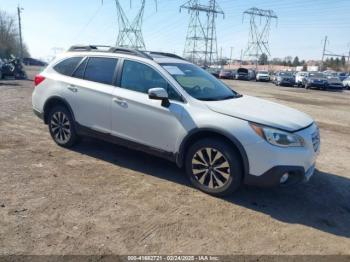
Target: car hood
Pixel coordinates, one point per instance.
(262, 112)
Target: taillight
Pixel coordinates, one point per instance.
(38, 79)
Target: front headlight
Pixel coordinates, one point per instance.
(278, 137)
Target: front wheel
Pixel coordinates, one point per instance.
(61, 127)
(214, 167)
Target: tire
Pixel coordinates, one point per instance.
(62, 128)
(0, 75)
(222, 180)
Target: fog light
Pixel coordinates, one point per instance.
(284, 178)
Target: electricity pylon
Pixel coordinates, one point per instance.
(201, 40)
(259, 33)
(130, 33)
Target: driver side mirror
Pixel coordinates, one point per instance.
(159, 94)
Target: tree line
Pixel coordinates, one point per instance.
(337, 64)
(9, 37)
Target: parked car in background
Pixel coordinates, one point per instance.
(226, 74)
(242, 74)
(214, 71)
(299, 77)
(263, 76)
(346, 83)
(251, 74)
(315, 80)
(284, 78)
(12, 68)
(342, 76)
(334, 83)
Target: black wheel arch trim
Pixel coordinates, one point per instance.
(180, 158)
(59, 99)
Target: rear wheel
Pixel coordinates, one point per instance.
(61, 127)
(214, 167)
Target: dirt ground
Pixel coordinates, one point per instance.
(103, 199)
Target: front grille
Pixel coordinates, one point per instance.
(316, 140)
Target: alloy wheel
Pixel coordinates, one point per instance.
(211, 168)
(61, 127)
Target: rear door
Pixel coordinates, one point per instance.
(90, 92)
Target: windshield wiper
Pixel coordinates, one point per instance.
(221, 98)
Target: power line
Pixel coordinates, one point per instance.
(259, 33)
(201, 39)
(130, 33)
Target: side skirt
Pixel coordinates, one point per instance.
(85, 131)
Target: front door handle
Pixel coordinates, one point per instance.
(119, 101)
(72, 88)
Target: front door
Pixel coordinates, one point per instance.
(137, 118)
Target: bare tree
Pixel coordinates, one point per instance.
(9, 38)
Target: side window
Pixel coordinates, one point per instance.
(67, 66)
(100, 69)
(140, 78)
(79, 72)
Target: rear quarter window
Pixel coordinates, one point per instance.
(67, 66)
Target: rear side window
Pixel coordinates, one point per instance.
(67, 66)
(100, 69)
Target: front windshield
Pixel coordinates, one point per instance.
(263, 72)
(198, 83)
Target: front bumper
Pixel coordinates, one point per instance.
(268, 163)
(272, 177)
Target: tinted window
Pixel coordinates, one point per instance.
(67, 67)
(140, 78)
(199, 83)
(79, 72)
(100, 70)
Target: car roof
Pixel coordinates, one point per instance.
(121, 52)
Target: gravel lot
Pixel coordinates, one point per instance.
(103, 199)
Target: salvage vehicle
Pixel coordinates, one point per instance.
(284, 78)
(263, 76)
(242, 74)
(162, 104)
(315, 80)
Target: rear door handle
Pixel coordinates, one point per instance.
(72, 88)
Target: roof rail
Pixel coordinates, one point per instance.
(78, 48)
(129, 51)
(165, 54)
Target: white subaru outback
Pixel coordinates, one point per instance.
(161, 104)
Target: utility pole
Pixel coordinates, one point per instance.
(231, 56)
(324, 51)
(241, 60)
(201, 41)
(19, 10)
(259, 33)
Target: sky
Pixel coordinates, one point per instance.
(302, 25)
